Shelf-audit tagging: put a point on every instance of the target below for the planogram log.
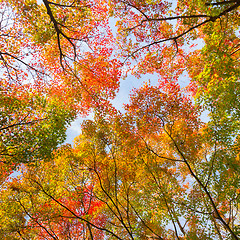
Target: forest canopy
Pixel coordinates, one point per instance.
(156, 169)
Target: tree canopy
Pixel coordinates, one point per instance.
(156, 169)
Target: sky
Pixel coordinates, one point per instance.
(126, 86)
(122, 97)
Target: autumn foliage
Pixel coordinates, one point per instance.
(165, 166)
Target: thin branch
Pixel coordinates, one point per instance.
(68, 6)
(22, 123)
(204, 189)
(59, 32)
(25, 210)
(16, 58)
(143, 222)
(238, 48)
(220, 3)
(133, 6)
(211, 19)
(159, 156)
(211, 168)
(120, 218)
(73, 213)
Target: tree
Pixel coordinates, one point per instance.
(32, 125)
(47, 204)
(149, 172)
(67, 45)
(156, 34)
(152, 171)
(52, 69)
